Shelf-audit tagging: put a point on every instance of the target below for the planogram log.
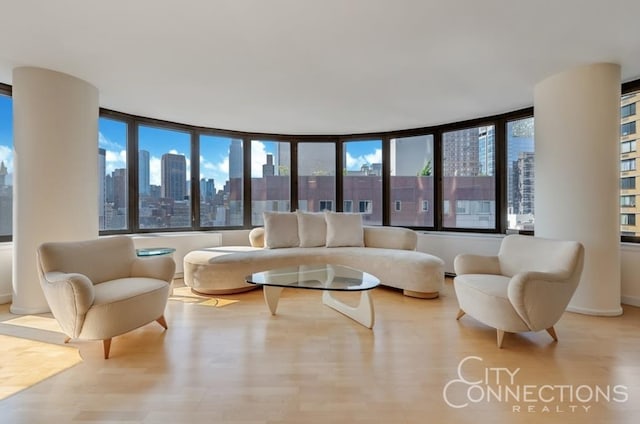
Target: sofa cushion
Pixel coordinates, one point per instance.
(344, 229)
(312, 229)
(281, 230)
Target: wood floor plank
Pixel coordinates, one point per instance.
(239, 364)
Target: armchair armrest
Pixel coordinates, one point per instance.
(69, 295)
(540, 298)
(160, 267)
(476, 264)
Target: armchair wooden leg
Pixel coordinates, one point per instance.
(67, 340)
(162, 322)
(460, 314)
(106, 344)
(552, 333)
(500, 338)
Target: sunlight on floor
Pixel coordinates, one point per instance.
(186, 295)
(24, 363)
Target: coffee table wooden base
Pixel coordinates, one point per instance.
(362, 313)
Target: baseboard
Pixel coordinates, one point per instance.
(631, 300)
(597, 312)
(5, 298)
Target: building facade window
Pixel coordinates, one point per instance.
(316, 176)
(270, 178)
(6, 166)
(468, 163)
(628, 110)
(365, 207)
(326, 205)
(412, 179)
(113, 179)
(397, 206)
(627, 219)
(628, 165)
(628, 201)
(221, 187)
(628, 183)
(347, 206)
(628, 146)
(628, 128)
(362, 178)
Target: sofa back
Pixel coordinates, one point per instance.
(525, 253)
(100, 260)
(382, 237)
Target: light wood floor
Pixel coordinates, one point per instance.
(310, 364)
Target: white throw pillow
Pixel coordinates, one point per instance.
(280, 229)
(312, 229)
(344, 229)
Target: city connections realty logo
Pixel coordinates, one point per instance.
(477, 384)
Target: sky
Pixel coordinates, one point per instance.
(214, 151)
(6, 133)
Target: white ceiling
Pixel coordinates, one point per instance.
(317, 66)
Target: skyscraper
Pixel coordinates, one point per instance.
(143, 173)
(268, 169)
(235, 159)
(173, 176)
(101, 186)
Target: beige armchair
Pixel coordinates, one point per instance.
(526, 287)
(98, 289)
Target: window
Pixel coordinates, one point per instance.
(316, 176)
(628, 110)
(627, 219)
(6, 165)
(628, 165)
(628, 146)
(326, 205)
(628, 128)
(398, 206)
(628, 183)
(221, 181)
(365, 206)
(362, 178)
(113, 186)
(270, 178)
(412, 179)
(468, 163)
(164, 154)
(347, 206)
(425, 206)
(520, 174)
(628, 201)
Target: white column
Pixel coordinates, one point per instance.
(577, 169)
(56, 172)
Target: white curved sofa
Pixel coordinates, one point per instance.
(388, 253)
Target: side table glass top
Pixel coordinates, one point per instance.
(155, 251)
(318, 277)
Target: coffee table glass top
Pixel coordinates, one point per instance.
(319, 277)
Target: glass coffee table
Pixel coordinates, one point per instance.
(327, 278)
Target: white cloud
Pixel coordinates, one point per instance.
(154, 171)
(354, 163)
(258, 158)
(6, 156)
(114, 160)
(107, 143)
(218, 171)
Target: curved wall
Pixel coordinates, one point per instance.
(56, 172)
(577, 176)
